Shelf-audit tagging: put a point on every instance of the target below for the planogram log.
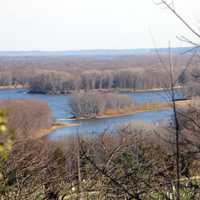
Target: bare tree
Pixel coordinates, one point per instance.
(26, 117)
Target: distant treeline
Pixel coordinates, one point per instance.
(56, 82)
(56, 76)
(132, 79)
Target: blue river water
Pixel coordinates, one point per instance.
(59, 105)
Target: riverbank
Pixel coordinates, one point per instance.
(118, 90)
(5, 87)
(44, 132)
(129, 90)
(143, 108)
(144, 90)
(111, 113)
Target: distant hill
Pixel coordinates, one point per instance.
(89, 53)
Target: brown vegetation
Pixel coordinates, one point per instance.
(144, 108)
(87, 105)
(105, 105)
(137, 162)
(94, 104)
(65, 74)
(26, 117)
(55, 126)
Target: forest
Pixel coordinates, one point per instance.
(65, 75)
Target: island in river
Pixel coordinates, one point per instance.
(62, 114)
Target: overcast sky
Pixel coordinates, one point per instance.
(91, 24)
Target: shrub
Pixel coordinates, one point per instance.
(192, 89)
(26, 117)
(5, 139)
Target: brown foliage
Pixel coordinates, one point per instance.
(64, 74)
(136, 162)
(26, 117)
(92, 104)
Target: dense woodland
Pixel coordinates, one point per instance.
(67, 74)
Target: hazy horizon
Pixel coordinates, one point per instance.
(64, 25)
(102, 49)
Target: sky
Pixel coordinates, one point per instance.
(52, 25)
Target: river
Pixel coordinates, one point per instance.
(59, 105)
